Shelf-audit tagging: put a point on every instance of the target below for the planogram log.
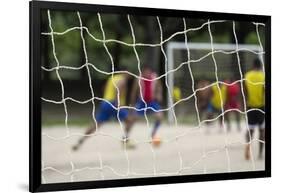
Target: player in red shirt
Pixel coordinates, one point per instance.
(148, 98)
(232, 102)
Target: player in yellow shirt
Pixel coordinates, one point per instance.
(254, 87)
(177, 94)
(108, 107)
(217, 101)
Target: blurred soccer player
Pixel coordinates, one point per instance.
(254, 87)
(217, 101)
(232, 102)
(151, 92)
(177, 94)
(107, 108)
(203, 96)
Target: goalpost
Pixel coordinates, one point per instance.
(193, 49)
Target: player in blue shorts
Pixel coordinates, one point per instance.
(217, 102)
(107, 109)
(149, 97)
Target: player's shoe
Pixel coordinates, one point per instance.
(75, 148)
(128, 144)
(156, 141)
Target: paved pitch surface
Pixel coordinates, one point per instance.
(184, 150)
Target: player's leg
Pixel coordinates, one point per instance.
(210, 112)
(261, 144)
(249, 136)
(236, 105)
(140, 105)
(227, 120)
(102, 116)
(87, 134)
(237, 117)
(202, 109)
(158, 117)
(252, 123)
(261, 134)
(221, 119)
(209, 115)
(129, 120)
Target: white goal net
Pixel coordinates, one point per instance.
(185, 149)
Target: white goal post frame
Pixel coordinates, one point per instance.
(171, 46)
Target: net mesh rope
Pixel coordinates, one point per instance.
(187, 63)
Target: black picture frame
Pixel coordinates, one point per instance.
(35, 184)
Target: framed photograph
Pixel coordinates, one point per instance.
(126, 96)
